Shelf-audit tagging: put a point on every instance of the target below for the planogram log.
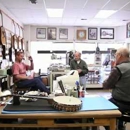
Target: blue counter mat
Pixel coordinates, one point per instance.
(88, 104)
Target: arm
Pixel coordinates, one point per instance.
(71, 65)
(85, 68)
(31, 67)
(113, 78)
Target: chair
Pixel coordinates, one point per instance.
(125, 118)
(15, 88)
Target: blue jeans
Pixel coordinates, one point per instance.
(35, 83)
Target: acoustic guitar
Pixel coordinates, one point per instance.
(22, 41)
(3, 40)
(15, 39)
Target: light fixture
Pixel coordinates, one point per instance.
(54, 12)
(105, 13)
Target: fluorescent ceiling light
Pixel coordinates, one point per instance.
(54, 12)
(105, 13)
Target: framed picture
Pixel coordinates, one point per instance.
(92, 33)
(106, 33)
(51, 33)
(81, 34)
(128, 30)
(63, 33)
(41, 33)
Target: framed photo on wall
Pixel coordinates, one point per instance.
(128, 30)
(51, 33)
(81, 34)
(92, 33)
(41, 33)
(106, 33)
(63, 33)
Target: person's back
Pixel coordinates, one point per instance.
(119, 82)
(121, 91)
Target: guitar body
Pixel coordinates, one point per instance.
(3, 36)
(3, 41)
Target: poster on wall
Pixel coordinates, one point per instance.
(51, 33)
(41, 33)
(106, 33)
(97, 60)
(63, 33)
(92, 33)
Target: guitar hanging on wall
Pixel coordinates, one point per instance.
(19, 40)
(15, 39)
(22, 41)
(3, 40)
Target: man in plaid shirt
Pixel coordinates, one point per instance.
(119, 82)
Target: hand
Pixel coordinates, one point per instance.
(30, 58)
(79, 70)
(30, 77)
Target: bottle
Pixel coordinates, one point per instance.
(39, 72)
(78, 88)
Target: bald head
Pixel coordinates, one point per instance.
(122, 55)
(123, 52)
(77, 56)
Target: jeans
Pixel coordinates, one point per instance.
(35, 83)
(83, 81)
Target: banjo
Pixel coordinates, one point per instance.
(61, 103)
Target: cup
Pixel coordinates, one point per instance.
(69, 92)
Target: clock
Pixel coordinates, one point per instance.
(81, 34)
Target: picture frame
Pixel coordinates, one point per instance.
(81, 34)
(106, 33)
(92, 33)
(128, 30)
(51, 33)
(63, 33)
(41, 33)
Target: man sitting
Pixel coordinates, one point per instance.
(119, 82)
(21, 79)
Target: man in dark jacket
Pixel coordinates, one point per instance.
(119, 82)
(80, 65)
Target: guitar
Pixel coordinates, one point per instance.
(3, 40)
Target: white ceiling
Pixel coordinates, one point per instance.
(74, 11)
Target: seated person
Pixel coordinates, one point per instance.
(119, 82)
(21, 79)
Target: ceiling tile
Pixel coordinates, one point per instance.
(115, 4)
(55, 20)
(54, 3)
(95, 4)
(88, 14)
(72, 13)
(127, 7)
(77, 4)
(121, 15)
(68, 21)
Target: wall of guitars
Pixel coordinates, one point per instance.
(11, 39)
